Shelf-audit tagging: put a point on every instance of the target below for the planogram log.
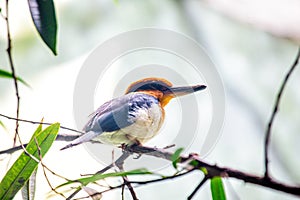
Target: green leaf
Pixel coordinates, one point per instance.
(6, 74)
(44, 19)
(28, 191)
(3, 125)
(36, 132)
(194, 163)
(96, 177)
(25, 165)
(175, 157)
(217, 189)
(204, 170)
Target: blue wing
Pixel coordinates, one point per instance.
(114, 115)
(118, 113)
(113, 118)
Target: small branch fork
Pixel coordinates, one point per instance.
(275, 110)
(126, 181)
(46, 168)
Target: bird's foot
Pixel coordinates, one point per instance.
(129, 147)
(138, 155)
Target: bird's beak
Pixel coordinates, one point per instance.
(180, 91)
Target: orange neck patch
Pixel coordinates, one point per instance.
(163, 99)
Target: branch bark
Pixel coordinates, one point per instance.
(193, 160)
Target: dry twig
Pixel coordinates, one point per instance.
(275, 109)
(13, 72)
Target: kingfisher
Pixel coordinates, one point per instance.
(134, 118)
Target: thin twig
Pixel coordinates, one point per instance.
(130, 188)
(16, 148)
(123, 192)
(36, 122)
(74, 193)
(13, 149)
(49, 183)
(197, 188)
(121, 159)
(29, 154)
(54, 173)
(13, 72)
(126, 181)
(163, 179)
(44, 171)
(275, 109)
(60, 137)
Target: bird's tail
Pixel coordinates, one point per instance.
(84, 138)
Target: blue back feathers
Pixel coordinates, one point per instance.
(119, 113)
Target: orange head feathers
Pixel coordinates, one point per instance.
(162, 89)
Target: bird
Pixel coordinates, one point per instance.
(134, 118)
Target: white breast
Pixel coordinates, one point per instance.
(147, 125)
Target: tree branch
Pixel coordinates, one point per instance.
(195, 161)
(275, 109)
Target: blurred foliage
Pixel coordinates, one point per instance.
(6, 74)
(176, 156)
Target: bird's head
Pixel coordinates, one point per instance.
(162, 89)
